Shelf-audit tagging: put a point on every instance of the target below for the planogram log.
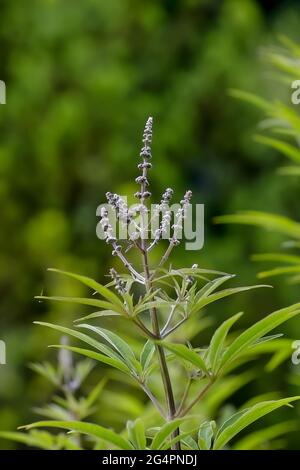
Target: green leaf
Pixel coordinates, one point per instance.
(212, 285)
(190, 443)
(206, 434)
(118, 343)
(102, 290)
(78, 300)
(102, 313)
(222, 294)
(27, 439)
(285, 148)
(294, 259)
(258, 330)
(189, 355)
(289, 170)
(241, 420)
(136, 432)
(95, 392)
(165, 431)
(116, 363)
(218, 340)
(183, 435)
(83, 337)
(147, 354)
(90, 429)
(279, 271)
(256, 439)
(268, 221)
(250, 98)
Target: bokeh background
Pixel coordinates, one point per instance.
(81, 78)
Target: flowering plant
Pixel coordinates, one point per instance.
(164, 359)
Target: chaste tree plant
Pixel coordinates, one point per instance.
(180, 378)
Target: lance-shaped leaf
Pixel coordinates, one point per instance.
(93, 430)
(102, 290)
(29, 439)
(165, 431)
(78, 300)
(217, 342)
(82, 337)
(281, 257)
(102, 313)
(187, 354)
(206, 434)
(221, 295)
(183, 435)
(244, 418)
(147, 354)
(110, 361)
(279, 271)
(211, 286)
(290, 151)
(256, 439)
(136, 433)
(257, 331)
(276, 222)
(118, 343)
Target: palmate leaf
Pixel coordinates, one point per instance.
(110, 361)
(217, 341)
(187, 354)
(257, 331)
(236, 423)
(93, 430)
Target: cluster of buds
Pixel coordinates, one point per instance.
(163, 208)
(167, 196)
(191, 279)
(145, 165)
(106, 226)
(120, 285)
(120, 206)
(180, 216)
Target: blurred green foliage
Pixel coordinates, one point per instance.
(81, 79)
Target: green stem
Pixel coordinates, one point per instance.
(160, 351)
